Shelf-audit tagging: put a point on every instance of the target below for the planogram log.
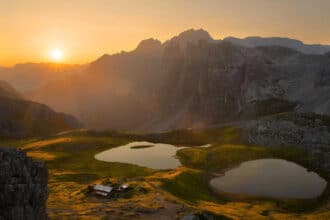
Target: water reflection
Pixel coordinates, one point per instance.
(271, 178)
(145, 154)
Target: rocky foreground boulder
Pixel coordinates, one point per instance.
(204, 216)
(23, 186)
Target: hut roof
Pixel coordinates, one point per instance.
(103, 188)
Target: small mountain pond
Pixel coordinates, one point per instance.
(145, 154)
(274, 178)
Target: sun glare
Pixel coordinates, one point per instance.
(56, 55)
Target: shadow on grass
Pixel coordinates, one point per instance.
(191, 186)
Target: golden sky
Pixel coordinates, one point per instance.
(85, 29)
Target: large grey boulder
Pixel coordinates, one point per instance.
(204, 216)
(23, 186)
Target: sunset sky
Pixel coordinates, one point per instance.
(33, 30)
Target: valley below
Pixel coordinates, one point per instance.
(164, 193)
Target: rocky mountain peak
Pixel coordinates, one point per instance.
(149, 46)
(190, 36)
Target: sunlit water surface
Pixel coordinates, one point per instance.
(151, 155)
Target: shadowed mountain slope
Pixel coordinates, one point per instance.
(7, 91)
(19, 117)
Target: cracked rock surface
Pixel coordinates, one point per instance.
(23, 186)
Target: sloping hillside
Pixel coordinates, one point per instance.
(7, 91)
(19, 117)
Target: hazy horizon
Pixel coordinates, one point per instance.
(84, 30)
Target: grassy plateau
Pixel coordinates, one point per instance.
(69, 157)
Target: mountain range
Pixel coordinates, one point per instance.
(280, 41)
(189, 81)
(29, 76)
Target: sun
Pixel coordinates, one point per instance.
(56, 55)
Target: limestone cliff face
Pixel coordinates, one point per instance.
(203, 84)
(210, 83)
(23, 186)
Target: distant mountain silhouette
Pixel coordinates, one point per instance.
(278, 41)
(29, 76)
(193, 80)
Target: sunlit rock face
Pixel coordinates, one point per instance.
(210, 83)
(218, 82)
(200, 81)
(23, 186)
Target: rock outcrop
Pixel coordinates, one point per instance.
(23, 186)
(204, 216)
(291, 129)
(309, 131)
